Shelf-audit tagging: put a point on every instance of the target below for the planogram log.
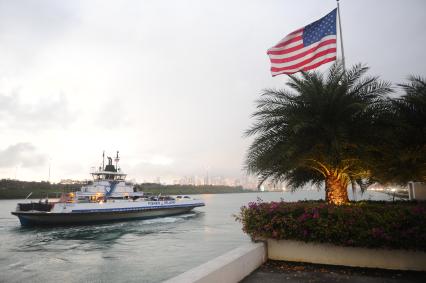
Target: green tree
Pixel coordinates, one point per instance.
(318, 130)
(403, 152)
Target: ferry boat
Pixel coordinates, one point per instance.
(107, 198)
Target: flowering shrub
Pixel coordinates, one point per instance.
(396, 225)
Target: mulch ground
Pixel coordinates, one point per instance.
(284, 271)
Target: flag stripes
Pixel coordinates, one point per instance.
(306, 48)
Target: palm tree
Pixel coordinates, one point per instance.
(318, 130)
(403, 156)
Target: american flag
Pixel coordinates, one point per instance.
(306, 48)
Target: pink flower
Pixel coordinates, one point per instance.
(316, 214)
(252, 205)
(377, 232)
(274, 205)
(304, 216)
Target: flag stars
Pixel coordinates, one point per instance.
(317, 30)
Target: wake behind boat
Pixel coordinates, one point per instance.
(108, 198)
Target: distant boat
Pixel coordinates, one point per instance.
(107, 198)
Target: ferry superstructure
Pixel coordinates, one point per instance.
(108, 198)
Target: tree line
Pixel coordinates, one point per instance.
(15, 189)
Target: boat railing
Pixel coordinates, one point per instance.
(37, 206)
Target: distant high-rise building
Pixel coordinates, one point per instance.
(206, 179)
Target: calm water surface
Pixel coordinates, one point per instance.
(135, 251)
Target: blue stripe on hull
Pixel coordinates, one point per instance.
(134, 208)
(25, 222)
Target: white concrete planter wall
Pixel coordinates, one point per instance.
(417, 190)
(349, 256)
(231, 267)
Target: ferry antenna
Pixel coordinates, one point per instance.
(103, 160)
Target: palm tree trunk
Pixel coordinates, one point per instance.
(336, 191)
(353, 185)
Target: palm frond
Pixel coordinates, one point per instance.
(330, 119)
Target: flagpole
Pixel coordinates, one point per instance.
(341, 37)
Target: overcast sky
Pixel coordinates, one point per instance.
(171, 84)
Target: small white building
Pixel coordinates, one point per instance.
(417, 190)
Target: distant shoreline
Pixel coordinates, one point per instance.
(14, 189)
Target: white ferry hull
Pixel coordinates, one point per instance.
(31, 218)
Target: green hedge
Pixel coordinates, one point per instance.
(395, 225)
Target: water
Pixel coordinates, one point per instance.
(135, 251)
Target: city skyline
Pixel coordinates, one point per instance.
(192, 180)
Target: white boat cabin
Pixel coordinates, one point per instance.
(108, 184)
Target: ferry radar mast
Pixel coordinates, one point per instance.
(116, 160)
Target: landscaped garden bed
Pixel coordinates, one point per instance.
(392, 225)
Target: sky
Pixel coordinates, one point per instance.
(170, 84)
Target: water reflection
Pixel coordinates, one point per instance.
(101, 236)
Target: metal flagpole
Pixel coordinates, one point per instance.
(341, 37)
